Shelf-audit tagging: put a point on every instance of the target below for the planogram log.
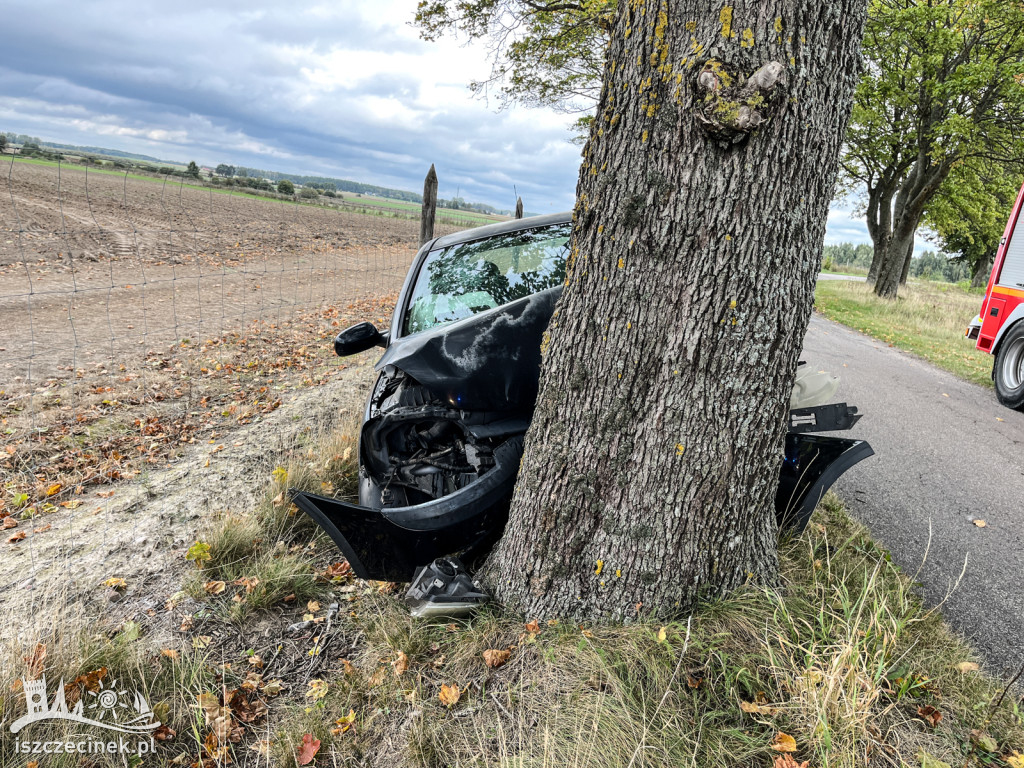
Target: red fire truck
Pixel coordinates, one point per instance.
(999, 329)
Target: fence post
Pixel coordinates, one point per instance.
(429, 206)
(519, 208)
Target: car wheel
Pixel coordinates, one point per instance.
(1008, 371)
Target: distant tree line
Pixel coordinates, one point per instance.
(928, 266)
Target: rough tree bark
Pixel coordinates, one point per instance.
(652, 461)
(983, 270)
(893, 232)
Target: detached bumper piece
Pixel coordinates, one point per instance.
(811, 464)
(443, 588)
(390, 544)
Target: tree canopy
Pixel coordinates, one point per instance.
(968, 214)
(543, 52)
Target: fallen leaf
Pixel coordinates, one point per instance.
(930, 715)
(1015, 760)
(54, 489)
(19, 536)
(201, 641)
(170, 653)
(164, 733)
(91, 681)
(495, 658)
(752, 708)
(317, 689)
(969, 666)
(662, 635)
(214, 587)
(9, 522)
(400, 664)
(927, 761)
(449, 695)
(252, 681)
(787, 761)
(273, 687)
(980, 523)
(116, 582)
(210, 705)
(308, 750)
(262, 747)
(345, 723)
(42, 529)
(186, 623)
(312, 606)
(783, 742)
(34, 661)
(248, 582)
(533, 627)
(337, 571)
(983, 741)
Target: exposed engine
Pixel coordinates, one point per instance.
(416, 448)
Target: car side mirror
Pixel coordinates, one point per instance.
(359, 338)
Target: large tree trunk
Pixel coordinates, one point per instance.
(908, 257)
(652, 461)
(982, 270)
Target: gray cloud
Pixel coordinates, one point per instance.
(343, 89)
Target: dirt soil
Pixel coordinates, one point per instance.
(142, 531)
(142, 316)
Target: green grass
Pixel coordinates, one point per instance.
(402, 205)
(928, 320)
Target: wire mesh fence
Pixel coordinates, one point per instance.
(142, 315)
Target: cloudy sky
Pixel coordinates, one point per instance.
(343, 89)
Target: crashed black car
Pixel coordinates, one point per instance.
(443, 429)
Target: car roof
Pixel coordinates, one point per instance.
(501, 228)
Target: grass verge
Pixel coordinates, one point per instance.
(287, 660)
(928, 320)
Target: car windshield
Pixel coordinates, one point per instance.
(467, 278)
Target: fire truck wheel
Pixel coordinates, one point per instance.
(1008, 371)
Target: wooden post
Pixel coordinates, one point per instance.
(429, 206)
(519, 208)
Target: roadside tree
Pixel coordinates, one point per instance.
(652, 459)
(942, 86)
(969, 213)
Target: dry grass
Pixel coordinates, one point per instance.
(928, 319)
(841, 656)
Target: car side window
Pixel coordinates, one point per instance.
(464, 279)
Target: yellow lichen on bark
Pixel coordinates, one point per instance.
(725, 17)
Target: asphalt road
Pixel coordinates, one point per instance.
(946, 453)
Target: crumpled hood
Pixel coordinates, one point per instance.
(487, 362)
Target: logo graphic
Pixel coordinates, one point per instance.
(109, 707)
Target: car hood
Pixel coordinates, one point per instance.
(487, 362)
